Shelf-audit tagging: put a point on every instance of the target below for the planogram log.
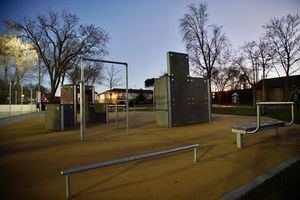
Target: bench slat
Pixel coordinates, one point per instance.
(252, 126)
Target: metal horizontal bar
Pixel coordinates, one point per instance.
(105, 61)
(122, 160)
(274, 103)
(115, 106)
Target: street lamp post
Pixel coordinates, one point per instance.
(10, 98)
(39, 85)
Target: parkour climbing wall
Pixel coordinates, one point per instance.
(180, 99)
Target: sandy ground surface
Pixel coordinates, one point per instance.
(31, 159)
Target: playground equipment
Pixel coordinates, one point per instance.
(59, 116)
(251, 128)
(68, 172)
(82, 96)
(181, 99)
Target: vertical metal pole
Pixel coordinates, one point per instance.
(123, 111)
(258, 115)
(153, 101)
(127, 117)
(16, 97)
(116, 114)
(68, 186)
(30, 96)
(62, 118)
(82, 104)
(292, 108)
(195, 154)
(75, 103)
(10, 98)
(209, 100)
(21, 94)
(39, 86)
(106, 111)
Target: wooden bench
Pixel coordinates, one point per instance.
(243, 129)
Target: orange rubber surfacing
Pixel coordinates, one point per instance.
(32, 158)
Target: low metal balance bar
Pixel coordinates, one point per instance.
(258, 104)
(68, 172)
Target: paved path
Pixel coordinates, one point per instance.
(14, 119)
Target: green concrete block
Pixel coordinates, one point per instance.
(161, 93)
(53, 117)
(162, 118)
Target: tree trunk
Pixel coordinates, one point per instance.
(286, 88)
(263, 87)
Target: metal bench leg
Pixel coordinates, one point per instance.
(240, 140)
(275, 133)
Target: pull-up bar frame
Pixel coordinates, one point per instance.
(82, 94)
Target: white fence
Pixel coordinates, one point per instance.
(18, 108)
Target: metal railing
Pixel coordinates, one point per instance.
(258, 104)
(68, 172)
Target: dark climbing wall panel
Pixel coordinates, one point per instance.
(186, 96)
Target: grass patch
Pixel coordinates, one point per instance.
(279, 113)
(282, 186)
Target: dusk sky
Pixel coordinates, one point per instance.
(141, 32)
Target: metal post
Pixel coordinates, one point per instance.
(62, 120)
(106, 113)
(127, 117)
(21, 94)
(195, 154)
(68, 186)
(153, 101)
(258, 114)
(82, 104)
(116, 114)
(292, 109)
(39, 86)
(16, 97)
(209, 100)
(126, 65)
(30, 96)
(123, 111)
(75, 103)
(10, 98)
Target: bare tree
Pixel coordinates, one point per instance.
(224, 73)
(204, 42)
(284, 33)
(225, 78)
(59, 39)
(248, 71)
(113, 77)
(19, 60)
(93, 72)
(265, 56)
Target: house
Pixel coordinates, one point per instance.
(274, 88)
(111, 96)
(243, 97)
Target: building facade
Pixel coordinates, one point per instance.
(119, 94)
(274, 88)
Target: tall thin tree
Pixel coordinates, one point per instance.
(284, 34)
